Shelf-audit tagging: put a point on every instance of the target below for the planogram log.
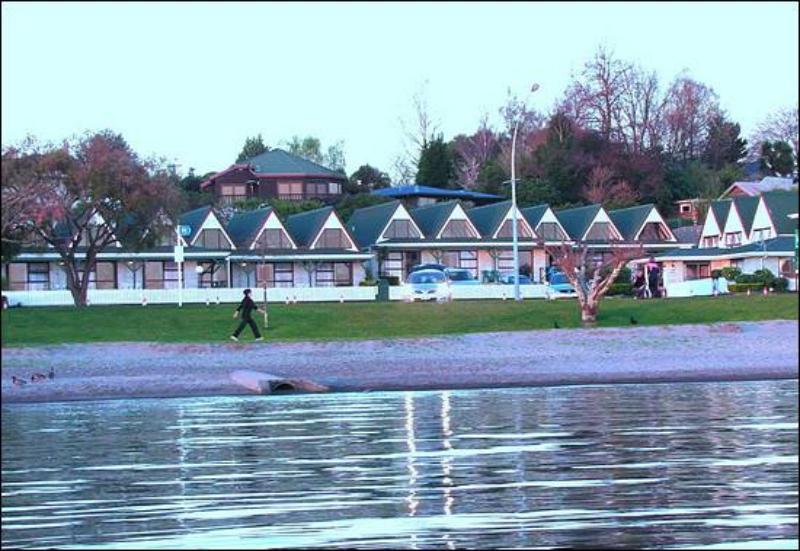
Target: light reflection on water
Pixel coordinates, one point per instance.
(681, 465)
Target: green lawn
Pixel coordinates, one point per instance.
(326, 321)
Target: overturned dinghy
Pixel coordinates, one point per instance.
(264, 383)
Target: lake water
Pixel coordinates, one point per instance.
(670, 465)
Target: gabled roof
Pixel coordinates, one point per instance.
(746, 207)
(720, 210)
(487, 219)
(534, 214)
(366, 224)
(630, 220)
(431, 218)
(770, 183)
(305, 226)
(779, 246)
(577, 221)
(780, 205)
(280, 162)
(428, 191)
(194, 219)
(244, 227)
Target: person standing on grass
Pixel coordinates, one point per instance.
(246, 307)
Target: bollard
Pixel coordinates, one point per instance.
(748, 291)
(294, 299)
(766, 291)
(144, 300)
(287, 300)
(218, 299)
(341, 299)
(208, 302)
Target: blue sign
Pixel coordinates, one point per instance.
(184, 230)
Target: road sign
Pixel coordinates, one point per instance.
(184, 230)
(178, 253)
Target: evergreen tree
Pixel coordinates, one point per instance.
(724, 144)
(252, 147)
(436, 167)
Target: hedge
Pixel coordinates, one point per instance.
(620, 289)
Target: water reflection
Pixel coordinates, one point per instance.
(627, 466)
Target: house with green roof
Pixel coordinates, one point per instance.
(644, 224)
(276, 174)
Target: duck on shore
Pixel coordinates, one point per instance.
(17, 381)
(36, 377)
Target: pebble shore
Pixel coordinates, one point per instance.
(712, 352)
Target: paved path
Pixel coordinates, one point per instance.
(715, 352)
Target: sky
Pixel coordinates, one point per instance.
(189, 82)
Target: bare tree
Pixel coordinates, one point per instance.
(641, 108)
(689, 107)
(590, 278)
(472, 152)
(781, 125)
(603, 187)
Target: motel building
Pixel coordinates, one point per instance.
(746, 232)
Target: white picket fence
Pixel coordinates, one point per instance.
(277, 294)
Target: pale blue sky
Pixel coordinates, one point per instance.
(191, 81)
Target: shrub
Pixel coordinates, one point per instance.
(780, 284)
(730, 273)
(716, 273)
(368, 283)
(625, 289)
(394, 281)
(763, 277)
(743, 287)
(624, 276)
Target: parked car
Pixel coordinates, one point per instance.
(418, 267)
(461, 276)
(559, 286)
(508, 279)
(428, 285)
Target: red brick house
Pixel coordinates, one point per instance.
(276, 174)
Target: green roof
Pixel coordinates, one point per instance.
(243, 227)
(194, 219)
(487, 219)
(781, 244)
(720, 209)
(746, 206)
(534, 214)
(278, 161)
(431, 218)
(577, 221)
(630, 220)
(366, 224)
(780, 205)
(305, 226)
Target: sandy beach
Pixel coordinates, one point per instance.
(714, 352)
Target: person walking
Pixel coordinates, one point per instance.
(246, 308)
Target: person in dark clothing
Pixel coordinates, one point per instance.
(246, 307)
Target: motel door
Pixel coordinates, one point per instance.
(410, 259)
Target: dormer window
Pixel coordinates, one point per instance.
(212, 239)
(401, 229)
(332, 238)
(273, 238)
(458, 228)
(506, 230)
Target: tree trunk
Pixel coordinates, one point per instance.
(589, 315)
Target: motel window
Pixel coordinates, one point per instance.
(334, 188)
(653, 231)
(275, 275)
(290, 189)
(787, 268)
(213, 275)
(273, 238)
(600, 231)
(458, 228)
(401, 229)
(212, 239)
(462, 259)
(697, 270)
(334, 274)
(332, 238)
(686, 208)
(710, 241)
(171, 275)
(392, 265)
(760, 234)
(38, 276)
(733, 239)
(17, 276)
(550, 231)
(105, 275)
(522, 230)
(505, 260)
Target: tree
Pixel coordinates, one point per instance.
(435, 166)
(782, 125)
(603, 187)
(535, 192)
(591, 279)
(724, 144)
(311, 148)
(88, 194)
(690, 106)
(777, 158)
(367, 178)
(349, 203)
(252, 147)
(473, 152)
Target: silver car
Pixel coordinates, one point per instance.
(428, 285)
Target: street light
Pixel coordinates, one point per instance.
(514, 240)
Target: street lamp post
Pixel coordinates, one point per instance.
(514, 240)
